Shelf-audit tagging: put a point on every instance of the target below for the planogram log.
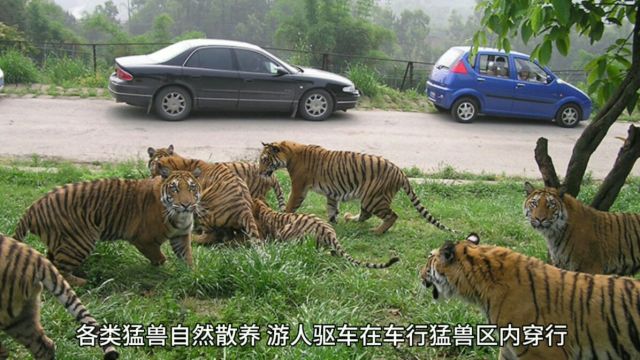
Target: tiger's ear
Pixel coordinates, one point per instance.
(170, 149)
(473, 238)
(164, 172)
(151, 151)
(528, 188)
(448, 252)
(196, 172)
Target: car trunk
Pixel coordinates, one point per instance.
(444, 65)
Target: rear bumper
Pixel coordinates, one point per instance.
(127, 93)
(439, 95)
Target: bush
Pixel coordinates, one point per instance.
(66, 71)
(366, 80)
(18, 68)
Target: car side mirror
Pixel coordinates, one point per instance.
(549, 79)
(280, 71)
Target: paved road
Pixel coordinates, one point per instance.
(90, 130)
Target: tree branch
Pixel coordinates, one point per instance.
(545, 164)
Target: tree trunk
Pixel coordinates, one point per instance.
(594, 133)
(545, 164)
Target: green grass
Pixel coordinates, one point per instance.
(293, 284)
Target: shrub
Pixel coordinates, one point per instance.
(66, 71)
(18, 68)
(366, 80)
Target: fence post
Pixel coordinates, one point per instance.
(325, 61)
(407, 71)
(95, 64)
(411, 74)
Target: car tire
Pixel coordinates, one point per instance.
(316, 105)
(173, 103)
(465, 110)
(568, 116)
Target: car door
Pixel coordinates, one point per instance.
(494, 81)
(263, 86)
(212, 73)
(534, 95)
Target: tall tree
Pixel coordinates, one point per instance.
(614, 76)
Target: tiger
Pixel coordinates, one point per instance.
(258, 185)
(25, 272)
(342, 176)
(287, 226)
(71, 219)
(226, 203)
(581, 238)
(601, 312)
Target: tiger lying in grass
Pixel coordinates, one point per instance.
(342, 176)
(287, 226)
(581, 238)
(258, 185)
(24, 273)
(72, 218)
(602, 313)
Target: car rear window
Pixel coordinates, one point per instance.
(171, 51)
(449, 58)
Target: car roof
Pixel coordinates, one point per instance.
(493, 50)
(219, 42)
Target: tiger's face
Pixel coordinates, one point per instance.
(444, 267)
(154, 156)
(180, 192)
(272, 158)
(544, 208)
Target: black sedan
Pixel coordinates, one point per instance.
(226, 75)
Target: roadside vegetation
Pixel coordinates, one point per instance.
(294, 284)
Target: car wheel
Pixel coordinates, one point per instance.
(465, 110)
(316, 105)
(568, 116)
(173, 103)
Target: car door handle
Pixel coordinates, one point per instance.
(519, 85)
(248, 80)
(480, 79)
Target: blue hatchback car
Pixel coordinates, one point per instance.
(500, 84)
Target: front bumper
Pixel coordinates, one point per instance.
(124, 92)
(347, 101)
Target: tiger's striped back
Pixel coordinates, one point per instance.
(581, 238)
(24, 272)
(602, 313)
(287, 226)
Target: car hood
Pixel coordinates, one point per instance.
(573, 89)
(329, 76)
(135, 60)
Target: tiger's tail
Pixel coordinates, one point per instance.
(421, 209)
(340, 251)
(23, 227)
(53, 281)
(279, 195)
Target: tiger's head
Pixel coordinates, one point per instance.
(180, 191)
(155, 155)
(544, 208)
(272, 158)
(445, 269)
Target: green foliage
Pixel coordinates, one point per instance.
(61, 71)
(18, 68)
(366, 80)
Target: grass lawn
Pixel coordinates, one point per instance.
(294, 284)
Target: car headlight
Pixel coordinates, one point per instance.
(350, 89)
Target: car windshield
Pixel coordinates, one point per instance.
(289, 67)
(171, 51)
(449, 58)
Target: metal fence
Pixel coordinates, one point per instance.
(396, 73)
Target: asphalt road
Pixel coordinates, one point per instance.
(100, 130)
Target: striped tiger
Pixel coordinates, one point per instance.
(287, 226)
(24, 272)
(225, 202)
(342, 176)
(581, 238)
(601, 312)
(72, 218)
(258, 185)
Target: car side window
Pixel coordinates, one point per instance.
(494, 65)
(211, 58)
(251, 61)
(530, 71)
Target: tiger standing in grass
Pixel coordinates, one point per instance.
(602, 313)
(24, 273)
(581, 238)
(287, 226)
(226, 202)
(342, 176)
(258, 185)
(72, 218)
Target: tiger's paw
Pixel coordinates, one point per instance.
(350, 217)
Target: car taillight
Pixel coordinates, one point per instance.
(123, 75)
(459, 68)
